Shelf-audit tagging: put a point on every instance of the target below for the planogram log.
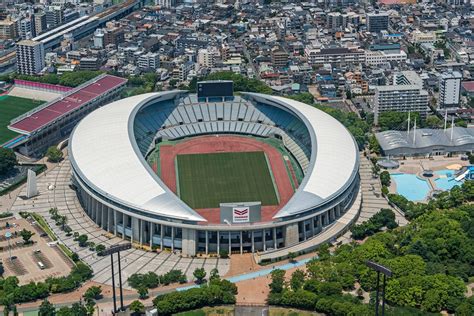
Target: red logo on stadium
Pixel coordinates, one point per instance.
(241, 212)
(241, 215)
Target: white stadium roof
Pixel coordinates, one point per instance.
(104, 152)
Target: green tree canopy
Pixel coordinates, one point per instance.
(7, 160)
(54, 154)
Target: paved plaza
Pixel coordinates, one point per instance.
(55, 192)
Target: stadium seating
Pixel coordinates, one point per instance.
(238, 116)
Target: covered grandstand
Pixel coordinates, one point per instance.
(426, 142)
(127, 198)
(53, 121)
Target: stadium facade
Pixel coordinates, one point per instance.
(120, 192)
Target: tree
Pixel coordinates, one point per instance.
(385, 178)
(99, 248)
(7, 160)
(292, 257)
(46, 309)
(297, 280)
(137, 307)
(62, 220)
(278, 281)
(54, 154)
(82, 240)
(214, 275)
(224, 254)
(93, 293)
(26, 235)
(142, 292)
(199, 274)
(433, 121)
(75, 257)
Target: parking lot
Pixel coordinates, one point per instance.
(33, 262)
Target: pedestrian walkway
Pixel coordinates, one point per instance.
(372, 198)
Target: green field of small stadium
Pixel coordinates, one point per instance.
(206, 180)
(10, 108)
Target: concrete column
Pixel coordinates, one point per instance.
(338, 210)
(111, 216)
(241, 243)
(115, 222)
(152, 231)
(320, 222)
(104, 216)
(313, 230)
(264, 241)
(207, 242)
(253, 242)
(291, 234)
(304, 230)
(135, 229)
(189, 241)
(89, 206)
(275, 238)
(230, 244)
(124, 224)
(161, 236)
(218, 243)
(141, 232)
(172, 238)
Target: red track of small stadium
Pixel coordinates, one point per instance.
(219, 143)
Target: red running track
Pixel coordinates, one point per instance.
(219, 143)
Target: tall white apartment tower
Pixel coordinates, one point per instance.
(449, 89)
(29, 57)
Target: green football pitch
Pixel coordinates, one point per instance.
(10, 108)
(205, 180)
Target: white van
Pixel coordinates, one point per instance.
(41, 265)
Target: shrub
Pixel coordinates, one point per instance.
(224, 254)
(54, 154)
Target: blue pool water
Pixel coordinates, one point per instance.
(447, 181)
(411, 187)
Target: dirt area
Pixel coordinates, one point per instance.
(256, 291)
(25, 263)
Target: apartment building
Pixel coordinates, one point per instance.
(339, 55)
(449, 89)
(30, 57)
(400, 98)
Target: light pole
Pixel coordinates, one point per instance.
(386, 273)
(110, 251)
(8, 235)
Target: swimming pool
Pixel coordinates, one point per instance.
(411, 187)
(446, 180)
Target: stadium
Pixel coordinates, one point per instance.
(213, 171)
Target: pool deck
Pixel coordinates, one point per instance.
(417, 165)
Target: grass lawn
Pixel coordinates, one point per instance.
(205, 180)
(10, 108)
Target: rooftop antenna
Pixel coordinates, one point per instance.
(445, 119)
(408, 128)
(452, 127)
(414, 132)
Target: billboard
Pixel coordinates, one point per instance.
(240, 213)
(217, 88)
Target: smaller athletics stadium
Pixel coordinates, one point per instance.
(214, 171)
